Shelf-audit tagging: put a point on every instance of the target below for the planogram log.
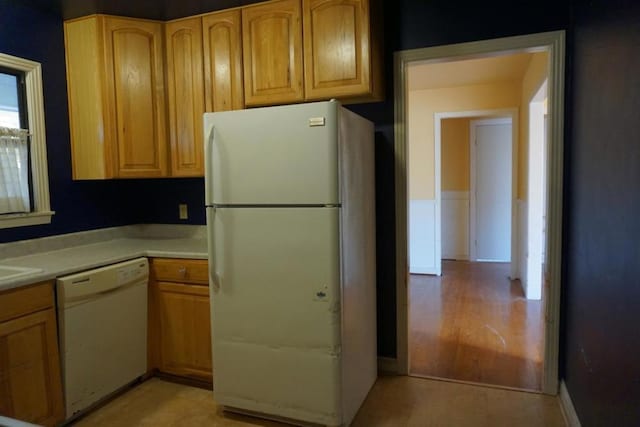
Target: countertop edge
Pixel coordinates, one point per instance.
(47, 274)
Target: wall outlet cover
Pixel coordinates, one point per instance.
(183, 212)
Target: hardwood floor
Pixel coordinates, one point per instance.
(394, 401)
(474, 324)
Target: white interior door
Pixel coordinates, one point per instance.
(532, 283)
(491, 176)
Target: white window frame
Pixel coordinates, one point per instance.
(42, 212)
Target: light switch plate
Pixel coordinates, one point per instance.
(183, 212)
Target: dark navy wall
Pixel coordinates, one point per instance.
(602, 287)
(151, 9)
(32, 29)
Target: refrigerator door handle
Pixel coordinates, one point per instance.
(214, 277)
(217, 282)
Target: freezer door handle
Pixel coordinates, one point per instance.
(208, 166)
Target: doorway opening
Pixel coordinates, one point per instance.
(506, 266)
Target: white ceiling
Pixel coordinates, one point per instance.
(468, 72)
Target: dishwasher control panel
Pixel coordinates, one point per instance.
(132, 273)
(81, 286)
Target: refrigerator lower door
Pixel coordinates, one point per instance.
(276, 311)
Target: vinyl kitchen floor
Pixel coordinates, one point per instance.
(394, 401)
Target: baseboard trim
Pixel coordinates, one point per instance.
(569, 412)
(457, 257)
(388, 365)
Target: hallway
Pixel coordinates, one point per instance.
(474, 324)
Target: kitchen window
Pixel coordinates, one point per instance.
(24, 186)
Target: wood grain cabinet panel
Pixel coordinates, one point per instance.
(341, 59)
(272, 52)
(25, 300)
(185, 330)
(185, 92)
(135, 77)
(30, 384)
(222, 40)
(179, 319)
(180, 270)
(115, 77)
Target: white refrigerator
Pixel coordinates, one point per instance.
(291, 230)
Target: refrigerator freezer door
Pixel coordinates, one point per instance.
(284, 155)
(276, 312)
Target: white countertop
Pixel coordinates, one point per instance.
(83, 256)
(10, 422)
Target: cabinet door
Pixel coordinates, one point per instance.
(336, 48)
(30, 386)
(135, 82)
(222, 38)
(184, 330)
(186, 97)
(91, 153)
(272, 50)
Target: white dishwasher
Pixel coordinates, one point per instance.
(102, 317)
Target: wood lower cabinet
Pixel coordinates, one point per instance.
(272, 53)
(30, 384)
(179, 319)
(115, 78)
(185, 90)
(341, 54)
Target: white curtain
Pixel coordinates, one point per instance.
(14, 170)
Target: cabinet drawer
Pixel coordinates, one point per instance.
(180, 270)
(18, 302)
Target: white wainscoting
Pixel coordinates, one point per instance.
(422, 236)
(455, 225)
(521, 268)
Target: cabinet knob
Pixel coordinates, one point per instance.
(182, 271)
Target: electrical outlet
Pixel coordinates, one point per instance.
(182, 208)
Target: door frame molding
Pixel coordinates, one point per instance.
(554, 43)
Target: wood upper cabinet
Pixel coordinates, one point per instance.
(341, 59)
(123, 122)
(185, 90)
(222, 39)
(272, 53)
(179, 318)
(115, 77)
(30, 384)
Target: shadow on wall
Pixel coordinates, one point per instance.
(385, 241)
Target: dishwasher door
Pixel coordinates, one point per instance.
(103, 331)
